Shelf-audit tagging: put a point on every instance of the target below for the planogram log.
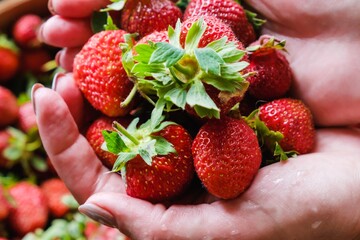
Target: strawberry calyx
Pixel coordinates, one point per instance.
(267, 42)
(7, 43)
(176, 74)
(268, 137)
(115, 5)
(127, 143)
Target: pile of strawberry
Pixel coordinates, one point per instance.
(188, 93)
(34, 202)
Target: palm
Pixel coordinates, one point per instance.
(323, 53)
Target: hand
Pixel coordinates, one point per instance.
(310, 197)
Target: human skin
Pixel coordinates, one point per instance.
(312, 196)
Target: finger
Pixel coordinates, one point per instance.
(63, 32)
(338, 139)
(70, 153)
(76, 9)
(65, 58)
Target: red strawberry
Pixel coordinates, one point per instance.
(156, 36)
(293, 119)
(10, 61)
(96, 139)
(228, 11)
(96, 231)
(273, 75)
(99, 73)
(29, 211)
(9, 108)
(147, 16)
(4, 205)
(155, 159)
(226, 156)
(55, 190)
(25, 30)
(4, 143)
(33, 60)
(27, 118)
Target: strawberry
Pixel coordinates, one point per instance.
(4, 204)
(29, 210)
(27, 118)
(99, 73)
(198, 70)
(9, 108)
(293, 119)
(55, 190)
(25, 30)
(226, 156)
(96, 139)
(156, 36)
(96, 231)
(146, 16)
(154, 159)
(10, 60)
(33, 60)
(273, 75)
(228, 11)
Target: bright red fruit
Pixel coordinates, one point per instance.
(226, 156)
(228, 11)
(146, 16)
(10, 61)
(9, 108)
(27, 118)
(29, 211)
(99, 73)
(25, 30)
(96, 139)
(273, 75)
(293, 119)
(55, 190)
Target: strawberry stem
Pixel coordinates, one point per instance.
(118, 127)
(129, 98)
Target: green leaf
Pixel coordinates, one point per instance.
(166, 53)
(231, 54)
(144, 69)
(113, 142)
(218, 44)
(156, 114)
(144, 52)
(194, 35)
(110, 24)
(164, 78)
(122, 159)
(174, 34)
(116, 5)
(39, 163)
(198, 98)
(209, 61)
(177, 96)
(147, 151)
(221, 83)
(163, 147)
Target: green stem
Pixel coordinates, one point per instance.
(123, 131)
(187, 71)
(129, 98)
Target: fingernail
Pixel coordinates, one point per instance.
(39, 33)
(97, 214)
(51, 7)
(35, 87)
(56, 80)
(58, 56)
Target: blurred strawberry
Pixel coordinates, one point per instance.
(29, 210)
(4, 143)
(4, 204)
(27, 118)
(10, 61)
(55, 191)
(33, 60)
(9, 108)
(25, 30)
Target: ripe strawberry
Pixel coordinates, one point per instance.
(33, 60)
(4, 205)
(226, 156)
(154, 159)
(96, 231)
(146, 16)
(25, 30)
(9, 108)
(96, 139)
(273, 75)
(55, 190)
(293, 119)
(10, 60)
(156, 36)
(29, 211)
(228, 11)
(198, 70)
(26, 118)
(4, 143)
(99, 73)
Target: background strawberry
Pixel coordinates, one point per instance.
(272, 76)
(96, 139)
(293, 119)
(228, 11)
(25, 30)
(9, 108)
(4, 204)
(9, 55)
(4, 143)
(26, 118)
(226, 156)
(146, 16)
(29, 210)
(99, 73)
